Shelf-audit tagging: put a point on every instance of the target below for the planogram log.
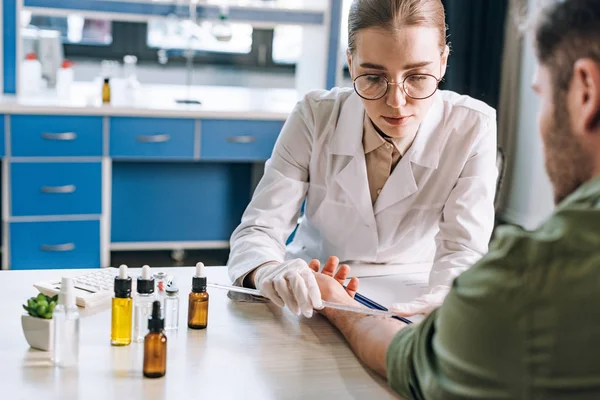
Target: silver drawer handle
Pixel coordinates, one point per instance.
(58, 247)
(153, 138)
(60, 136)
(58, 189)
(241, 139)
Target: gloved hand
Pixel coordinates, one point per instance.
(423, 304)
(291, 283)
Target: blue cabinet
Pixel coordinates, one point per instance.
(55, 136)
(172, 202)
(54, 188)
(151, 138)
(181, 181)
(62, 244)
(238, 140)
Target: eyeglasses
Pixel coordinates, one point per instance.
(415, 86)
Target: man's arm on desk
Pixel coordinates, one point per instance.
(368, 336)
(468, 348)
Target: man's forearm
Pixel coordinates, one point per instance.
(369, 337)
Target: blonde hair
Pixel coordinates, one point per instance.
(395, 14)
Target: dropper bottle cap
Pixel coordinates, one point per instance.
(122, 283)
(199, 280)
(66, 297)
(155, 322)
(145, 283)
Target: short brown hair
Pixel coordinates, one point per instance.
(567, 31)
(394, 14)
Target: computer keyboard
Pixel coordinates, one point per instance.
(91, 289)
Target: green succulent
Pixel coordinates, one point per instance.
(41, 306)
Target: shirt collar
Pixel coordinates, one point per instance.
(371, 138)
(587, 192)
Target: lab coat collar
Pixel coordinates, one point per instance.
(425, 150)
(346, 145)
(427, 146)
(347, 141)
(347, 138)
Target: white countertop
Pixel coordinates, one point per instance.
(249, 351)
(160, 101)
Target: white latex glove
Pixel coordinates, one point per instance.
(423, 304)
(290, 283)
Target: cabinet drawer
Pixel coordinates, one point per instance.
(238, 140)
(47, 245)
(49, 135)
(56, 188)
(170, 138)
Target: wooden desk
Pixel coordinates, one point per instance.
(249, 351)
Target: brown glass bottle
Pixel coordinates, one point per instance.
(155, 345)
(198, 303)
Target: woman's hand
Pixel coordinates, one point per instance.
(331, 281)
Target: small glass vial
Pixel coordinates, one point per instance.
(66, 327)
(171, 308)
(198, 300)
(142, 304)
(160, 284)
(155, 345)
(120, 331)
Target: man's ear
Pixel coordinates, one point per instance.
(349, 57)
(585, 96)
(444, 64)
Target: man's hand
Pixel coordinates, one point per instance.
(331, 282)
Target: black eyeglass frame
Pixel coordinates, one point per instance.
(388, 84)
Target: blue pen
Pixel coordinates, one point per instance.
(365, 301)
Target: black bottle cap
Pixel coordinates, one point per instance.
(199, 284)
(122, 287)
(145, 286)
(106, 80)
(155, 322)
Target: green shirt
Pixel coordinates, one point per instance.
(523, 323)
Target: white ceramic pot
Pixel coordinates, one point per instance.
(39, 332)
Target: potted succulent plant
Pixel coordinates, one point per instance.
(37, 323)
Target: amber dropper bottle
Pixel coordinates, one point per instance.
(120, 330)
(198, 300)
(155, 345)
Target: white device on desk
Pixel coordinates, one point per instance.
(91, 289)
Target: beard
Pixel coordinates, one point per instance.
(568, 164)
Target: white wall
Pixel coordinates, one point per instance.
(530, 199)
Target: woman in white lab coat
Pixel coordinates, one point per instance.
(393, 171)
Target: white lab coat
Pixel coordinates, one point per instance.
(437, 206)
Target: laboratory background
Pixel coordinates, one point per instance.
(133, 134)
(161, 171)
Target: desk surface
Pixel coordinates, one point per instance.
(250, 351)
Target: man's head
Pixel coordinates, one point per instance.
(568, 81)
